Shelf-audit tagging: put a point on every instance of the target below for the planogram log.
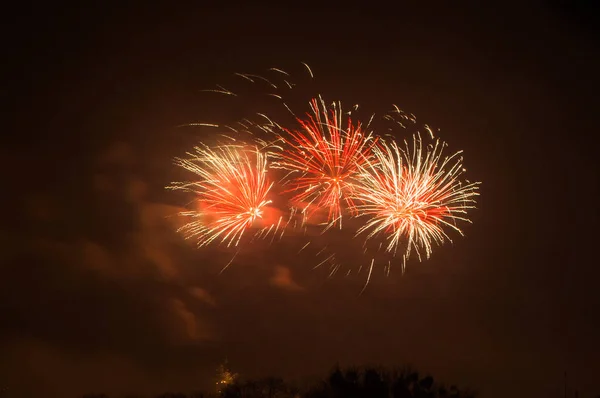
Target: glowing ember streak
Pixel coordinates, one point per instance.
(413, 193)
(331, 166)
(323, 159)
(232, 192)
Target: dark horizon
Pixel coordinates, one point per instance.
(99, 293)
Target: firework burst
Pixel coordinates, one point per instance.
(330, 165)
(412, 195)
(232, 193)
(323, 159)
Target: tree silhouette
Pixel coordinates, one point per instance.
(377, 383)
(351, 382)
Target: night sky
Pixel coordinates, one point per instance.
(98, 292)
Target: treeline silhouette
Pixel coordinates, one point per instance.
(354, 382)
(380, 383)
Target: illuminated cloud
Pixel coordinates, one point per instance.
(190, 328)
(98, 258)
(202, 295)
(282, 279)
(135, 190)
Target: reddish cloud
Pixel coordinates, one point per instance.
(191, 328)
(135, 190)
(96, 257)
(202, 295)
(282, 279)
(270, 216)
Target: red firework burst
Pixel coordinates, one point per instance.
(323, 159)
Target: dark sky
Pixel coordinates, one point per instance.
(98, 292)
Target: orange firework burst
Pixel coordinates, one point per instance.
(413, 193)
(323, 159)
(332, 165)
(232, 193)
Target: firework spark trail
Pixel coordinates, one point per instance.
(330, 166)
(413, 193)
(233, 191)
(322, 158)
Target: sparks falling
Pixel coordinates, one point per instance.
(412, 195)
(232, 193)
(323, 159)
(303, 174)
